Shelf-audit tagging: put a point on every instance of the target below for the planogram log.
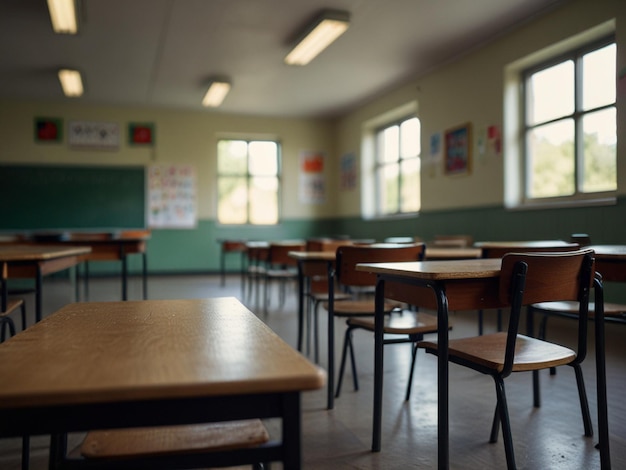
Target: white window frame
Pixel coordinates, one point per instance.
(514, 124)
(369, 162)
(248, 176)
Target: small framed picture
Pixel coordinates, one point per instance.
(48, 129)
(141, 133)
(458, 150)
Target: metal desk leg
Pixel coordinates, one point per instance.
(603, 420)
(378, 364)
(300, 305)
(145, 275)
(331, 340)
(443, 434)
(38, 294)
(291, 432)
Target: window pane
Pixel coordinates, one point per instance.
(263, 158)
(550, 93)
(551, 160)
(599, 151)
(231, 157)
(599, 72)
(410, 185)
(264, 200)
(388, 189)
(410, 138)
(389, 150)
(232, 201)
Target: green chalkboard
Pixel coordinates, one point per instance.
(71, 197)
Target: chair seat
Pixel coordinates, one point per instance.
(408, 323)
(323, 296)
(571, 308)
(12, 305)
(488, 351)
(282, 273)
(167, 440)
(360, 307)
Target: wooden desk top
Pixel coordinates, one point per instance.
(136, 350)
(526, 244)
(438, 270)
(10, 252)
(609, 251)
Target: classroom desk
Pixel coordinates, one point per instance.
(99, 365)
(319, 262)
(228, 246)
(448, 286)
(114, 246)
(36, 261)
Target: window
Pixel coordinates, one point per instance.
(248, 182)
(397, 167)
(570, 125)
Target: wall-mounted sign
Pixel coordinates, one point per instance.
(99, 135)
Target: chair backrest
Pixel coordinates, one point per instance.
(581, 238)
(278, 253)
(349, 256)
(461, 241)
(528, 278)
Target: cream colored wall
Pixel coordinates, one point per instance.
(471, 90)
(188, 137)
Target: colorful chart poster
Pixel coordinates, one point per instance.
(312, 180)
(172, 196)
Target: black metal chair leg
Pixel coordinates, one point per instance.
(495, 426)
(584, 403)
(413, 356)
(506, 423)
(347, 341)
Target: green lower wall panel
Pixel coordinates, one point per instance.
(198, 251)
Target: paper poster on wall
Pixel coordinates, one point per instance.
(95, 135)
(312, 180)
(348, 173)
(171, 196)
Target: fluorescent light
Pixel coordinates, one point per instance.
(63, 16)
(318, 36)
(71, 82)
(218, 89)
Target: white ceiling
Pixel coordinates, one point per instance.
(162, 52)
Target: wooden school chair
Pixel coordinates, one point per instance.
(499, 249)
(8, 306)
(281, 268)
(316, 274)
(361, 284)
(613, 313)
(526, 279)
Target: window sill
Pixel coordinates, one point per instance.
(562, 204)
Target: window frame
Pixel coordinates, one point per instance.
(379, 164)
(576, 55)
(248, 177)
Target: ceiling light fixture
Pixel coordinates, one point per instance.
(218, 89)
(71, 82)
(326, 27)
(63, 16)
